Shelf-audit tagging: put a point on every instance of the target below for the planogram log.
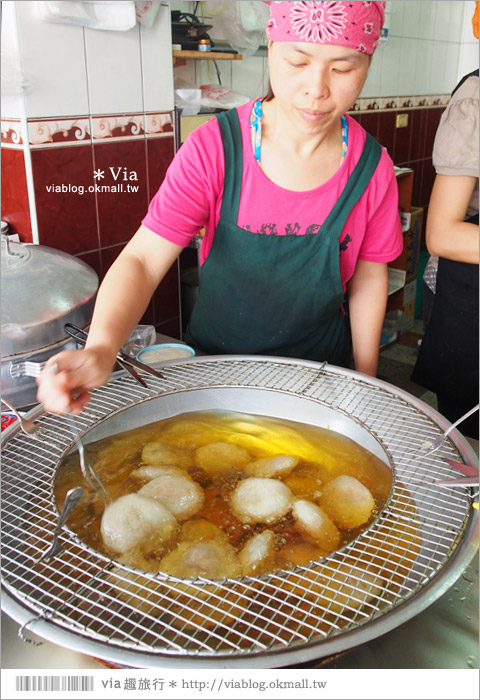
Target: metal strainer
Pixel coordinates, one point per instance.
(413, 552)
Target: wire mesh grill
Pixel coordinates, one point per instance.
(84, 592)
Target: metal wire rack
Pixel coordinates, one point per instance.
(417, 546)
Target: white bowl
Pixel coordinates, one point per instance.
(155, 355)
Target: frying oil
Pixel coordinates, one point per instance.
(322, 455)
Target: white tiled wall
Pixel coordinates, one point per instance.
(114, 71)
(72, 71)
(157, 67)
(13, 82)
(53, 63)
(130, 71)
(426, 42)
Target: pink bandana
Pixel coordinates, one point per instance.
(355, 24)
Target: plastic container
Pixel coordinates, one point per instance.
(204, 45)
(141, 337)
(156, 355)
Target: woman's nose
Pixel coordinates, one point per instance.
(317, 87)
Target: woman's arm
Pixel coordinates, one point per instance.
(367, 302)
(447, 234)
(128, 287)
(121, 301)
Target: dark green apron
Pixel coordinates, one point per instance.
(274, 295)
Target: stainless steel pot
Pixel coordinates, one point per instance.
(42, 289)
(413, 552)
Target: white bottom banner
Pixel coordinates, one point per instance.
(384, 684)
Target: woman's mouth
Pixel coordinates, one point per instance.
(310, 115)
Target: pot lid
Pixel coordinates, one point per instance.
(42, 289)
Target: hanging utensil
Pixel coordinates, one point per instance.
(462, 481)
(89, 473)
(71, 501)
(28, 426)
(436, 443)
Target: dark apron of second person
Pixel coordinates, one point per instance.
(270, 294)
(447, 361)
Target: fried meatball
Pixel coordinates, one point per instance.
(257, 500)
(221, 457)
(347, 502)
(215, 559)
(160, 453)
(312, 520)
(132, 518)
(256, 552)
(271, 466)
(182, 496)
(149, 472)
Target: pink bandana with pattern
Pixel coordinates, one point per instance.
(355, 24)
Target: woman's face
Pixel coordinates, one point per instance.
(314, 84)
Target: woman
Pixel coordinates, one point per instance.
(297, 204)
(448, 357)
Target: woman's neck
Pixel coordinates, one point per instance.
(298, 161)
(278, 129)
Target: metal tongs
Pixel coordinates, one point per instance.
(125, 361)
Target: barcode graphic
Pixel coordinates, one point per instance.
(52, 683)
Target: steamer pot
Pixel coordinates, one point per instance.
(42, 289)
(86, 602)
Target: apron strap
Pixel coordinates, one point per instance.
(233, 153)
(356, 185)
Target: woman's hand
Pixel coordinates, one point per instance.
(67, 378)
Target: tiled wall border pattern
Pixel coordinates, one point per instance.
(372, 104)
(12, 133)
(74, 131)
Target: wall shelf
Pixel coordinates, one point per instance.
(180, 57)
